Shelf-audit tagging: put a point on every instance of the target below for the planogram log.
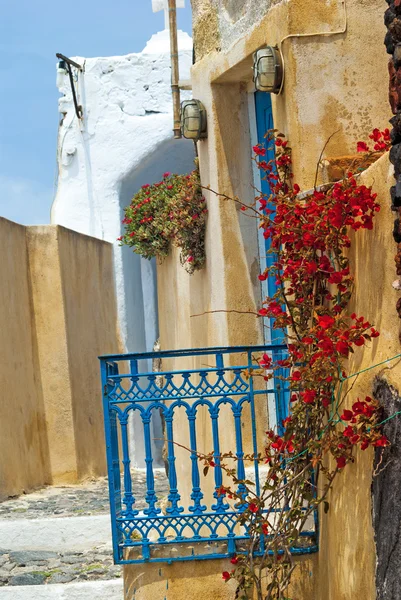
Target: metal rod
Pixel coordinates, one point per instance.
(78, 108)
(175, 88)
(69, 61)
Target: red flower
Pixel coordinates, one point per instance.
(341, 462)
(265, 361)
(375, 135)
(296, 188)
(265, 529)
(212, 463)
(166, 174)
(326, 321)
(259, 150)
(234, 560)
(358, 408)
(296, 376)
(362, 147)
(308, 396)
(253, 507)
(382, 442)
(347, 415)
(342, 347)
(348, 432)
(190, 259)
(226, 575)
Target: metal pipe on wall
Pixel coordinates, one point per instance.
(175, 75)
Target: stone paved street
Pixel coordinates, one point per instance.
(89, 498)
(39, 567)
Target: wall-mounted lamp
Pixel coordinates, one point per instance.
(268, 70)
(193, 120)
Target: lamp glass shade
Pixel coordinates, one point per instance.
(268, 70)
(193, 120)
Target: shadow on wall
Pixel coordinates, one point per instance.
(139, 276)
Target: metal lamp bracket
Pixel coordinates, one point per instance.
(70, 63)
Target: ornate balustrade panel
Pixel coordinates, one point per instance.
(215, 404)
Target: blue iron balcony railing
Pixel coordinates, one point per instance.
(209, 401)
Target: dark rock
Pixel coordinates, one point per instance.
(395, 156)
(395, 192)
(395, 136)
(397, 231)
(386, 497)
(28, 579)
(389, 43)
(397, 56)
(395, 29)
(31, 556)
(389, 16)
(396, 122)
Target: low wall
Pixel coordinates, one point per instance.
(24, 450)
(59, 314)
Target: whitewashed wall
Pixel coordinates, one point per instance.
(124, 140)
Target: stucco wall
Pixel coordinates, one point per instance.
(59, 314)
(24, 461)
(347, 556)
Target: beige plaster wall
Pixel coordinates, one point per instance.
(87, 274)
(202, 580)
(58, 314)
(24, 460)
(347, 556)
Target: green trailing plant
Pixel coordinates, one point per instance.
(170, 212)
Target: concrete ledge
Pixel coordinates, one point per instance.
(58, 534)
(101, 590)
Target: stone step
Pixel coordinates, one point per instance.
(101, 590)
(57, 534)
(32, 567)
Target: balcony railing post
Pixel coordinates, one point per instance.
(151, 497)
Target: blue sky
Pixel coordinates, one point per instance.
(31, 32)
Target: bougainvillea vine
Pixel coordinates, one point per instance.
(310, 239)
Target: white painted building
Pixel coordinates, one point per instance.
(123, 141)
